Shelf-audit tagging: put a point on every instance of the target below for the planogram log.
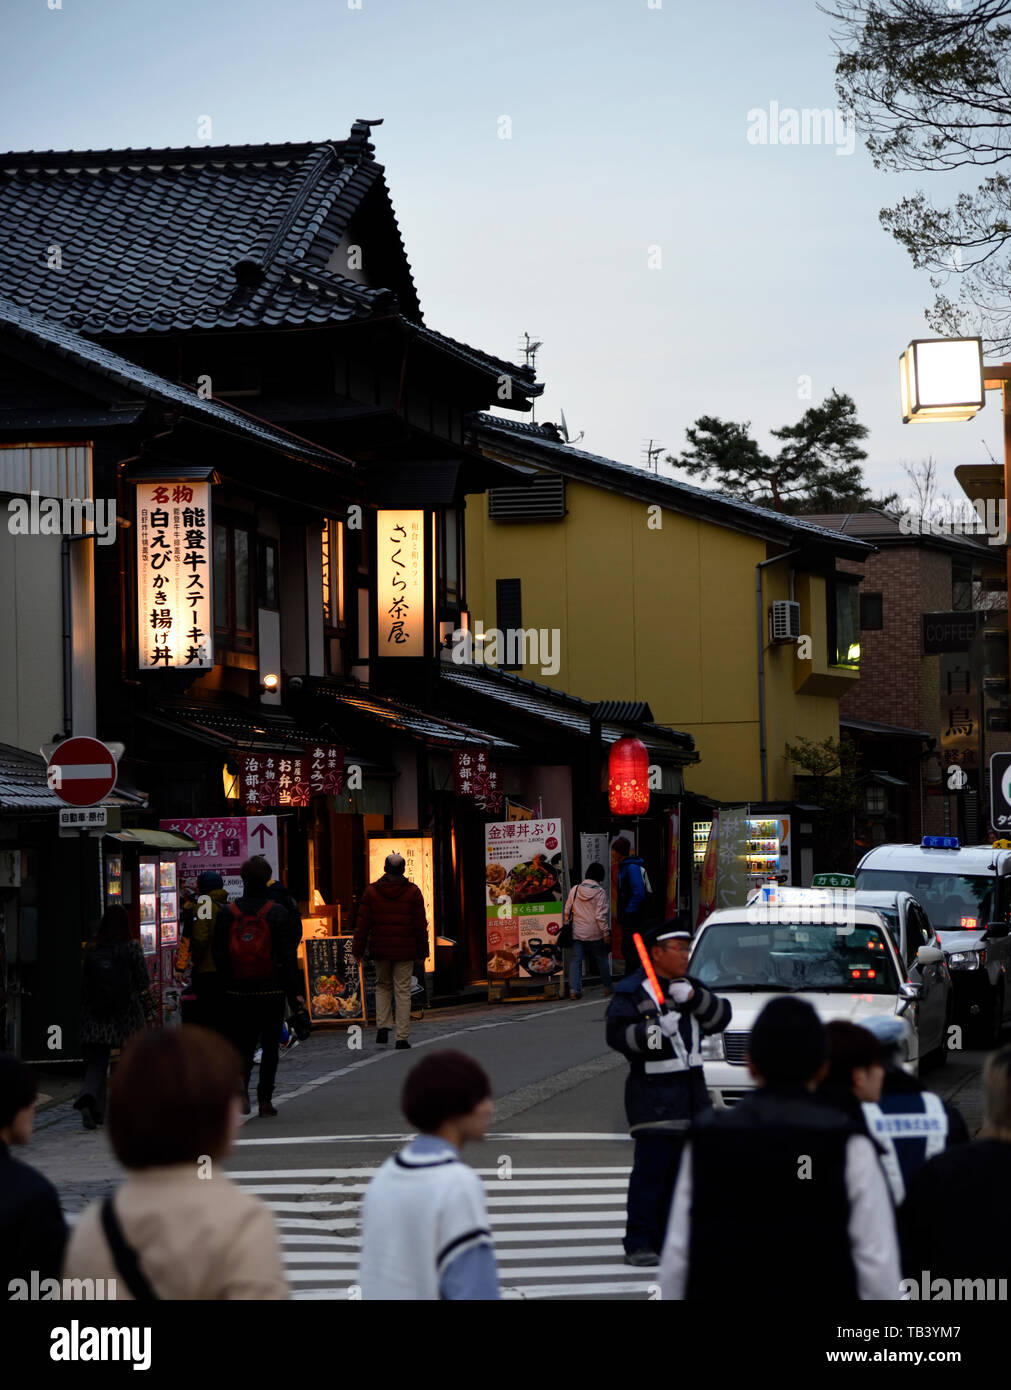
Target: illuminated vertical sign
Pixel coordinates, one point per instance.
(400, 577)
(174, 585)
(417, 851)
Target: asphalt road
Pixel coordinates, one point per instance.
(555, 1164)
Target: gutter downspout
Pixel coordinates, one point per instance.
(760, 637)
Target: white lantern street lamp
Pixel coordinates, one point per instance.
(942, 379)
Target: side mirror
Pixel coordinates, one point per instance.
(929, 955)
(996, 930)
(909, 991)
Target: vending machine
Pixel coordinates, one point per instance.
(768, 849)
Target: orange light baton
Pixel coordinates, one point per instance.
(647, 965)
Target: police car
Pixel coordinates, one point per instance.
(966, 892)
(840, 957)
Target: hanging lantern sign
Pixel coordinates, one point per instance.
(628, 778)
(400, 578)
(174, 584)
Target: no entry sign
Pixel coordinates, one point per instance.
(81, 771)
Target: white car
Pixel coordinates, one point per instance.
(840, 958)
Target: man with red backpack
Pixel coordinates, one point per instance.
(255, 945)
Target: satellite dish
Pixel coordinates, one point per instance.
(565, 428)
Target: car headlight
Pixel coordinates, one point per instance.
(713, 1049)
(966, 960)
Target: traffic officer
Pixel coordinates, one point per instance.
(665, 1089)
(909, 1124)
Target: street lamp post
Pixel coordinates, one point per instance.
(945, 379)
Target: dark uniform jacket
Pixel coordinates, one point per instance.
(33, 1233)
(665, 1088)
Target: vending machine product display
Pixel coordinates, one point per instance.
(768, 849)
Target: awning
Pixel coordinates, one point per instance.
(24, 788)
(156, 839)
(868, 726)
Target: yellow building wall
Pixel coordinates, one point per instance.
(663, 613)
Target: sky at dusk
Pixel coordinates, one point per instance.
(670, 266)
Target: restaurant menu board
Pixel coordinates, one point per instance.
(526, 882)
(168, 991)
(335, 990)
(114, 880)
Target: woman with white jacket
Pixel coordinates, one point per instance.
(590, 909)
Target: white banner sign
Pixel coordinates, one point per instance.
(174, 584)
(400, 577)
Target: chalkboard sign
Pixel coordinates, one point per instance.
(333, 978)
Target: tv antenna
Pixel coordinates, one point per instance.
(653, 451)
(530, 349)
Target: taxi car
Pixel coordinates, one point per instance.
(840, 957)
(966, 891)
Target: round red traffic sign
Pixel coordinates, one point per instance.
(81, 771)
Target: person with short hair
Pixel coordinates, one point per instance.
(781, 1188)
(177, 1227)
(950, 1242)
(908, 1122)
(666, 1088)
(425, 1232)
(632, 898)
(856, 1070)
(116, 1002)
(33, 1233)
(259, 968)
(392, 928)
(589, 907)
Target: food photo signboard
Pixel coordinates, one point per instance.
(334, 988)
(525, 882)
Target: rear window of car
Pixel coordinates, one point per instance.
(772, 958)
(950, 901)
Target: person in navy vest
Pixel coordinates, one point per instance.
(781, 1191)
(909, 1123)
(665, 1089)
(955, 1223)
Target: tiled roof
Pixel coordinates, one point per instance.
(542, 443)
(408, 719)
(23, 785)
(208, 237)
(882, 527)
(138, 380)
(557, 708)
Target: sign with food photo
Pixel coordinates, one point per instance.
(525, 885)
(333, 980)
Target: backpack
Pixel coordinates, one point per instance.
(625, 893)
(106, 981)
(251, 944)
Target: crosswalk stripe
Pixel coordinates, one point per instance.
(501, 1237)
(265, 1174)
(302, 1276)
(351, 1257)
(505, 1185)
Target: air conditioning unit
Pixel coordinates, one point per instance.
(784, 621)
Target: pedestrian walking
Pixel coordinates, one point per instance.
(425, 1231)
(634, 899)
(589, 908)
(196, 952)
(177, 1227)
(33, 1233)
(940, 1243)
(392, 928)
(116, 1002)
(255, 949)
(908, 1122)
(782, 1188)
(856, 1070)
(665, 1089)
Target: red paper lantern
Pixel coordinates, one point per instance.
(628, 778)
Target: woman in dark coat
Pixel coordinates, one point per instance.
(115, 1003)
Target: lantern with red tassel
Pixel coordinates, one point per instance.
(628, 778)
